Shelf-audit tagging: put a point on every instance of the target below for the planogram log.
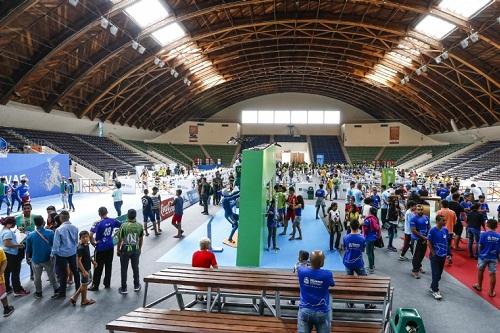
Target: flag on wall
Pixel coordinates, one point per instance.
(394, 134)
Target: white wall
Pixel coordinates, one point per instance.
(291, 101)
(208, 133)
(375, 135)
(32, 117)
(469, 136)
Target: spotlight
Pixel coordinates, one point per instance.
(113, 29)
(445, 55)
(104, 23)
(407, 78)
(189, 83)
(141, 49)
(474, 37)
(73, 3)
(135, 44)
(424, 68)
(157, 61)
(185, 81)
(418, 71)
(402, 81)
(161, 64)
(176, 74)
(172, 71)
(438, 59)
(464, 43)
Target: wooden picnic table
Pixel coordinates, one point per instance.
(263, 283)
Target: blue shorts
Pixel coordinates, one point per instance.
(491, 263)
(281, 211)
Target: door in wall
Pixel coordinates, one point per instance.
(298, 157)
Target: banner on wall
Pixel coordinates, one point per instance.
(165, 209)
(320, 159)
(394, 134)
(193, 197)
(43, 171)
(193, 133)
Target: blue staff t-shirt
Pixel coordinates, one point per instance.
(489, 245)
(354, 246)
(320, 193)
(376, 201)
(103, 231)
(442, 192)
(421, 223)
(314, 288)
(179, 205)
(439, 240)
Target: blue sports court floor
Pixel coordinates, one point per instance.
(314, 234)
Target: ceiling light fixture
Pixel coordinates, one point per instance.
(445, 55)
(402, 81)
(157, 60)
(141, 49)
(104, 23)
(73, 3)
(113, 29)
(407, 78)
(161, 64)
(418, 71)
(424, 68)
(135, 44)
(474, 37)
(464, 43)
(438, 59)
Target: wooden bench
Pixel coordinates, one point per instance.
(148, 320)
(265, 287)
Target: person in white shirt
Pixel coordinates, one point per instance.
(411, 207)
(117, 198)
(334, 225)
(476, 191)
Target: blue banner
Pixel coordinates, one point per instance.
(43, 171)
(193, 197)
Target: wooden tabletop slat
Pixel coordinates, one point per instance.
(170, 321)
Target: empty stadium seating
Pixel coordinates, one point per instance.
(15, 144)
(192, 151)
(225, 153)
(329, 147)
(360, 154)
(395, 153)
(170, 152)
(290, 138)
(471, 162)
(437, 152)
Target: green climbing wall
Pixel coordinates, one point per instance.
(258, 169)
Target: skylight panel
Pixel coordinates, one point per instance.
(213, 81)
(282, 117)
(400, 59)
(378, 79)
(464, 8)
(200, 66)
(434, 27)
(146, 12)
(169, 34)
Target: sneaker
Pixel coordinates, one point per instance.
(138, 288)
(8, 311)
(21, 293)
(437, 295)
(93, 288)
(37, 295)
(392, 249)
(122, 291)
(371, 270)
(402, 258)
(58, 296)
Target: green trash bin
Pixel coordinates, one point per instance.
(407, 320)
(310, 193)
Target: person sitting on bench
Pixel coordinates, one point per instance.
(204, 257)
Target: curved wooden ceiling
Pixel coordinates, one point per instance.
(57, 56)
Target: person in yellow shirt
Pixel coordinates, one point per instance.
(7, 309)
(329, 187)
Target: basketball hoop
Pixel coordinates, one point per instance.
(4, 148)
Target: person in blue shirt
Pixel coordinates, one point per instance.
(38, 248)
(228, 203)
(483, 207)
(358, 196)
(147, 213)
(489, 247)
(371, 231)
(375, 199)
(384, 204)
(178, 204)
(419, 225)
(23, 191)
(439, 250)
(442, 191)
(467, 203)
(15, 254)
(14, 196)
(64, 250)
(4, 189)
(349, 193)
(315, 306)
(299, 206)
(320, 200)
(71, 191)
(101, 237)
(271, 226)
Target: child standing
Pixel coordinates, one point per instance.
(489, 247)
(271, 226)
(291, 201)
(178, 204)
(392, 219)
(7, 309)
(351, 215)
(147, 212)
(438, 247)
(334, 225)
(280, 199)
(298, 218)
(84, 264)
(303, 261)
(156, 198)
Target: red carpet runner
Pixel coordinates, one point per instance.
(464, 269)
